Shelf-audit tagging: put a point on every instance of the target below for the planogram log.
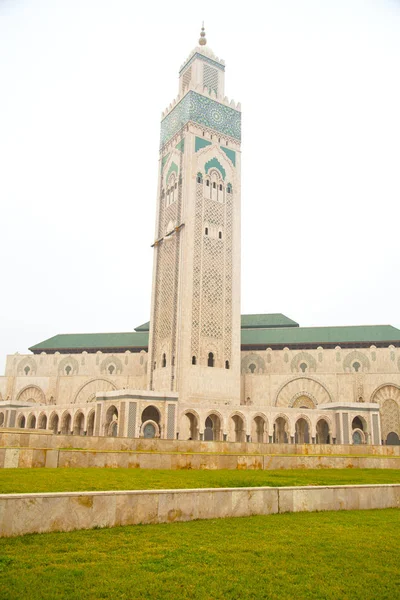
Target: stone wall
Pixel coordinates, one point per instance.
(53, 458)
(37, 439)
(40, 513)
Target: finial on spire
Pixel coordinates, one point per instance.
(202, 40)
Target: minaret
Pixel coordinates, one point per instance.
(194, 345)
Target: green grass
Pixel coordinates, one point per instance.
(345, 555)
(70, 480)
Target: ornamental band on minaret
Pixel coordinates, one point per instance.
(195, 315)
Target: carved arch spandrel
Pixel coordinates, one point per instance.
(388, 398)
(306, 386)
(87, 392)
(255, 359)
(356, 356)
(32, 393)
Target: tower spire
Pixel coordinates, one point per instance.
(202, 40)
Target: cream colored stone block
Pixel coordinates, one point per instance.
(11, 458)
(52, 459)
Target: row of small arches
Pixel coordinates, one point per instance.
(236, 428)
(214, 183)
(210, 361)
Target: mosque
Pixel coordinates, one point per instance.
(199, 369)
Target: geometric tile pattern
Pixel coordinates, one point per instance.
(171, 422)
(131, 419)
(203, 111)
(210, 78)
(205, 59)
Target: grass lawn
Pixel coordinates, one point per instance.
(69, 480)
(323, 556)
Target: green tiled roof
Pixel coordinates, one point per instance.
(318, 336)
(93, 341)
(252, 335)
(271, 320)
(144, 327)
(250, 322)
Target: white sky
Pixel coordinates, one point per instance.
(82, 87)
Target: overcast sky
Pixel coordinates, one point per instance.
(82, 87)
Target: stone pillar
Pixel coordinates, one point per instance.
(291, 441)
(225, 437)
(201, 436)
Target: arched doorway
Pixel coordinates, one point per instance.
(21, 422)
(90, 423)
(151, 419)
(79, 424)
(393, 439)
(149, 430)
(151, 413)
(212, 429)
(1, 419)
(53, 423)
(31, 422)
(302, 432)
(238, 428)
(111, 425)
(323, 436)
(42, 424)
(358, 437)
(66, 424)
(259, 430)
(359, 427)
(281, 431)
(191, 427)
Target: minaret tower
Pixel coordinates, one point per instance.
(194, 345)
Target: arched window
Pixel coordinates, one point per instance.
(164, 361)
(252, 368)
(111, 369)
(173, 361)
(220, 235)
(210, 362)
(194, 361)
(356, 366)
(229, 188)
(171, 194)
(220, 187)
(155, 365)
(199, 178)
(303, 367)
(206, 231)
(227, 364)
(27, 369)
(208, 183)
(68, 369)
(214, 185)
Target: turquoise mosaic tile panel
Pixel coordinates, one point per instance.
(205, 59)
(180, 145)
(200, 143)
(164, 160)
(214, 163)
(231, 154)
(203, 111)
(173, 168)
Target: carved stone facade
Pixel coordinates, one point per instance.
(190, 376)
